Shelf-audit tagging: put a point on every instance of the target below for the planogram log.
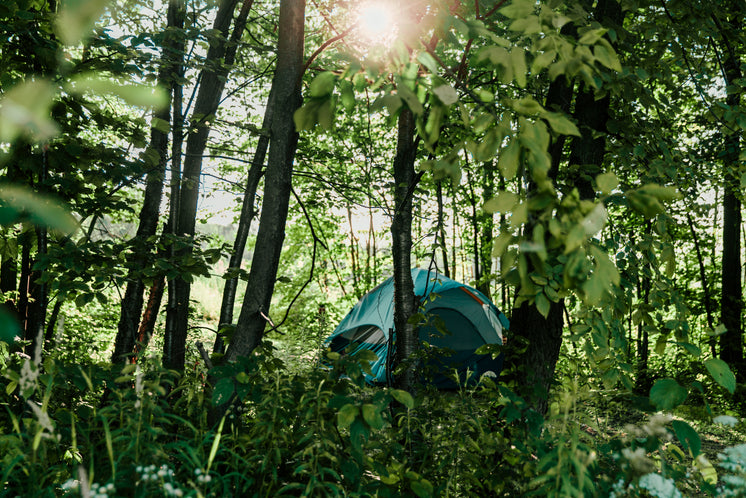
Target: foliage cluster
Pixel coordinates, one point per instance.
(71, 430)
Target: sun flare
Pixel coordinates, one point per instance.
(377, 22)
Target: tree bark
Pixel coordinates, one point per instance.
(405, 303)
(544, 335)
(212, 83)
(248, 211)
(731, 342)
(277, 182)
(132, 302)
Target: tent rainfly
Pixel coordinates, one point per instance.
(459, 318)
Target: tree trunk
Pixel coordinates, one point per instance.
(441, 229)
(129, 318)
(487, 222)
(277, 182)
(586, 157)
(248, 211)
(731, 342)
(405, 304)
(212, 83)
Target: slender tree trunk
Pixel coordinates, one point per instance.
(441, 229)
(212, 83)
(277, 182)
(486, 235)
(129, 318)
(37, 308)
(405, 304)
(248, 211)
(731, 342)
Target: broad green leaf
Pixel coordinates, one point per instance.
(504, 202)
(137, 95)
(591, 36)
(322, 85)
(223, 391)
(518, 9)
(528, 25)
(667, 394)
(403, 397)
(561, 124)
(346, 415)
(9, 328)
(446, 94)
(372, 416)
(606, 56)
(722, 373)
(24, 110)
(410, 98)
(607, 182)
(518, 61)
(709, 474)
(690, 348)
(688, 437)
(509, 159)
(542, 304)
(77, 18)
(595, 220)
(428, 61)
(527, 106)
(422, 488)
(42, 210)
(347, 95)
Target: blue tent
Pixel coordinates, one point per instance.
(458, 317)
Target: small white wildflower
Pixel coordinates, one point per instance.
(659, 486)
(70, 484)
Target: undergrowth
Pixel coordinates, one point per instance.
(70, 430)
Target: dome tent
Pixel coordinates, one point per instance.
(469, 320)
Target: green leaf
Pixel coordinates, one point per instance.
(607, 182)
(76, 19)
(504, 202)
(518, 9)
(9, 328)
(509, 159)
(518, 61)
(422, 488)
(24, 110)
(41, 210)
(223, 391)
(403, 397)
(688, 437)
(322, 85)
(410, 98)
(346, 415)
(542, 304)
(372, 415)
(722, 373)
(606, 56)
(561, 124)
(446, 94)
(428, 61)
(667, 394)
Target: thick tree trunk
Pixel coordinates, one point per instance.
(277, 182)
(586, 157)
(212, 83)
(248, 211)
(405, 304)
(129, 317)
